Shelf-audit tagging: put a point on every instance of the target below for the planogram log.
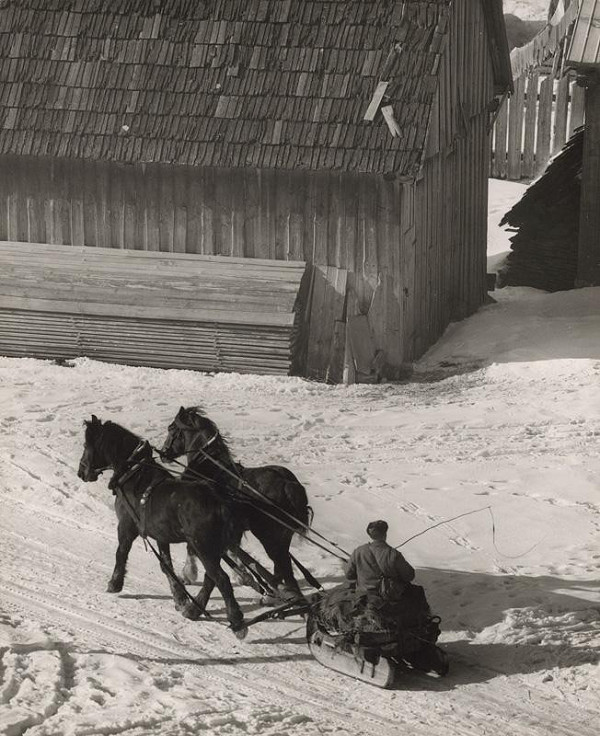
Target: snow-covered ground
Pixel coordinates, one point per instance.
(527, 9)
(503, 414)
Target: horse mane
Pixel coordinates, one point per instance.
(198, 411)
(112, 433)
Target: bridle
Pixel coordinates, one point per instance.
(98, 471)
(128, 470)
(197, 450)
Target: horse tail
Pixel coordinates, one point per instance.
(299, 507)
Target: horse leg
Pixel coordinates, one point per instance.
(177, 587)
(219, 578)
(190, 569)
(193, 610)
(278, 550)
(127, 533)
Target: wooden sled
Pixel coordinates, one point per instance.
(373, 662)
(362, 663)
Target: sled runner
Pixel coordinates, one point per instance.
(376, 657)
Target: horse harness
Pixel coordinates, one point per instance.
(117, 481)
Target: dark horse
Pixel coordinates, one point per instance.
(151, 502)
(193, 434)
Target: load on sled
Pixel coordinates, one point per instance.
(372, 639)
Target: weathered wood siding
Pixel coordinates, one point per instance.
(348, 221)
(451, 197)
(345, 220)
(451, 227)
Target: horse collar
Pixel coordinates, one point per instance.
(128, 470)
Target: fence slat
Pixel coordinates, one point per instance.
(515, 129)
(577, 107)
(561, 115)
(500, 142)
(544, 127)
(528, 169)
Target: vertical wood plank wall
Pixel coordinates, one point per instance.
(450, 262)
(351, 221)
(382, 231)
(451, 197)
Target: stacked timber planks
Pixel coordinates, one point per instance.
(168, 310)
(545, 246)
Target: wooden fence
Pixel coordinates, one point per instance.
(534, 124)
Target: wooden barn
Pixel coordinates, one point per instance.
(253, 185)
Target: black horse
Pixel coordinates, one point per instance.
(149, 501)
(193, 434)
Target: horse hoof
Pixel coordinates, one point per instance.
(270, 601)
(243, 579)
(192, 611)
(241, 633)
(114, 587)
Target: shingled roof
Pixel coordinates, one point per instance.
(262, 83)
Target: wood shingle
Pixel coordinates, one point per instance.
(156, 75)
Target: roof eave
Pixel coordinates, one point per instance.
(498, 41)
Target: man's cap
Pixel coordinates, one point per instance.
(378, 527)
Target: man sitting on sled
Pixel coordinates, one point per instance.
(378, 593)
(377, 615)
(379, 571)
(382, 578)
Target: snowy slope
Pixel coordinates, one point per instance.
(503, 413)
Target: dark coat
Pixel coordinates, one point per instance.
(370, 561)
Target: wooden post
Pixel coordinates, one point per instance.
(588, 265)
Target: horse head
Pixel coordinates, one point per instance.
(190, 432)
(93, 461)
(106, 445)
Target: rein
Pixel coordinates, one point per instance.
(202, 450)
(305, 529)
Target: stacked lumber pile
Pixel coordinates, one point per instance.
(544, 247)
(167, 310)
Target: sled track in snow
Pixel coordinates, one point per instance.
(516, 707)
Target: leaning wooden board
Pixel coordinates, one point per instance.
(169, 310)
